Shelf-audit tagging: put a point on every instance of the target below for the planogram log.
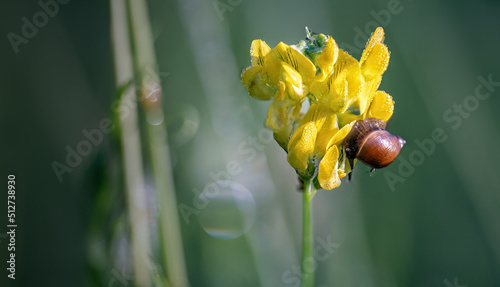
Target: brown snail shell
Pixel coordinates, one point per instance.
(369, 142)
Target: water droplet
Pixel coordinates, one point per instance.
(229, 213)
(184, 124)
(155, 116)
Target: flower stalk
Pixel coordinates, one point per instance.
(307, 276)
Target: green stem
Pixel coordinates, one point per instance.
(131, 147)
(307, 278)
(151, 100)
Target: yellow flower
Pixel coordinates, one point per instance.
(282, 74)
(340, 89)
(319, 135)
(283, 53)
(255, 78)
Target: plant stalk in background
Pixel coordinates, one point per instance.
(131, 147)
(151, 94)
(135, 59)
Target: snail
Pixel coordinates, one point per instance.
(369, 142)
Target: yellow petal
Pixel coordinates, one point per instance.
(277, 117)
(328, 174)
(301, 146)
(367, 92)
(312, 114)
(339, 136)
(295, 89)
(347, 118)
(341, 88)
(282, 112)
(372, 69)
(258, 83)
(327, 59)
(283, 135)
(344, 165)
(377, 37)
(374, 62)
(258, 51)
(284, 53)
(382, 106)
(327, 127)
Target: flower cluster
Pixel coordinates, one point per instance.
(340, 90)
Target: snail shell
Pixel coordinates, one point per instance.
(369, 142)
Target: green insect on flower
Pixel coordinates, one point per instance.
(341, 92)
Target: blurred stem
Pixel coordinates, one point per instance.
(131, 146)
(307, 278)
(151, 101)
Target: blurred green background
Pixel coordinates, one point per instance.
(430, 219)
